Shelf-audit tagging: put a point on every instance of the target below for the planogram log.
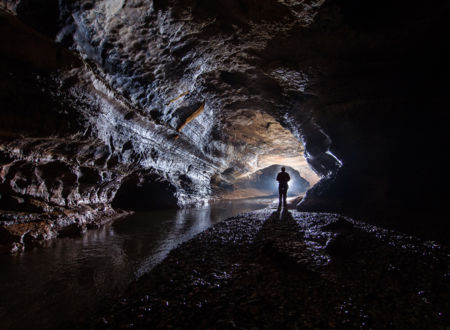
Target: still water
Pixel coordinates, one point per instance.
(48, 288)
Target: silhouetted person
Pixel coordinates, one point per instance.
(283, 179)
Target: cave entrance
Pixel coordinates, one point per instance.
(260, 146)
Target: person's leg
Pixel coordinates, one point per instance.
(284, 196)
(280, 195)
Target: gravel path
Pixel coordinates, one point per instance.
(292, 270)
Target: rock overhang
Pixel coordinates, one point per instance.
(340, 85)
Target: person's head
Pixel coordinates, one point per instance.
(283, 169)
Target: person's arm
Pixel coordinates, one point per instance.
(278, 177)
(288, 177)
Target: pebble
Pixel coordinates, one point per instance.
(288, 271)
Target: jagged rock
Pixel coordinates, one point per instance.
(202, 93)
(339, 225)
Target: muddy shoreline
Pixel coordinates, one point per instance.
(271, 269)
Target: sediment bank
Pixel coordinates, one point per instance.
(292, 270)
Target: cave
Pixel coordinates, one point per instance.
(144, 191)
(123, 120)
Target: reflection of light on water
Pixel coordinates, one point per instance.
(289, 200)
(204, 220)
(188, 223)
(73, 275)
(180, 219)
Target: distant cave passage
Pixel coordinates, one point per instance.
(263, 183)
(145, 192)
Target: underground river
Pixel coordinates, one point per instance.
(49, 288)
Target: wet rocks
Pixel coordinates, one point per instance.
(204, 93)
(340, 225)
(279, 270)
(67, 148)
(19, 230)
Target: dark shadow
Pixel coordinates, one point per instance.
(145, 191)
(282, 213)
(278, 231)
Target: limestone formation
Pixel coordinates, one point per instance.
(107, 99)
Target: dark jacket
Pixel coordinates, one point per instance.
(283, 178)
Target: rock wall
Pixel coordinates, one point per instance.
(151, 93)
(380, 101)
(71, 146)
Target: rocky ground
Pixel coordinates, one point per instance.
(292, 270)
(23, 230)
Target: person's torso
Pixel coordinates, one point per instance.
(283, 178)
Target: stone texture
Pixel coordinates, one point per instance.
(200, 93)
(290, 270)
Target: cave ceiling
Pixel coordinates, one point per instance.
(171, 60)
(195, 94)
(108, 94)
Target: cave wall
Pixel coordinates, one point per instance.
(70, 143)
(132, 86)
(382, 95)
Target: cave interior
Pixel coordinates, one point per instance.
(115, 106)
(100, 101)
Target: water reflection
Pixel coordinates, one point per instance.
(46, 287)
